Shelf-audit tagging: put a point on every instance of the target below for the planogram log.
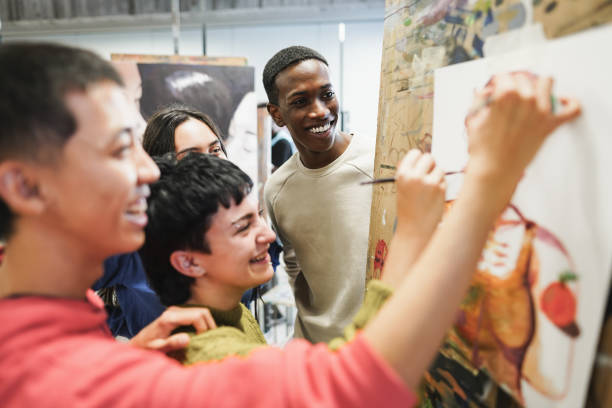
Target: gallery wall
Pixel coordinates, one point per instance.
(362, 54)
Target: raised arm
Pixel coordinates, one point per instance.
(420, 199)
(504, 135)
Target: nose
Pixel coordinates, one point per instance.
(319, 109)
(147, 170)
(266, 236)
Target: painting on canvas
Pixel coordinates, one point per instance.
(531, 318)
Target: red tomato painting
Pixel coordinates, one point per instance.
(559, 303)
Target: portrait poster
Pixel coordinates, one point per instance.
(226, 93)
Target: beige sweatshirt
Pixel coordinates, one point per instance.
(322, 217)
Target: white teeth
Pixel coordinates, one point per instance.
(261, 258)
(139, 206)
(321, 129)
(138, 219)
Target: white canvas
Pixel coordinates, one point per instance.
(566, 190)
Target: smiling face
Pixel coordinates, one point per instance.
(238, 239)
(307, 105)
(195, 136)
(95, 194)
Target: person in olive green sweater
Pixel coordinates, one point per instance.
(206, 243)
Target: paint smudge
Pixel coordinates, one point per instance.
(477, 43)
(380, 254)
(489, 18)
(459, 54)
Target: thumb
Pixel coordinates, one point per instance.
(571, 110)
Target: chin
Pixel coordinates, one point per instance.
(265, 276)
(133, 242)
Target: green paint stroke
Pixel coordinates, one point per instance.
(474, 294)
(567, 276)
(407, 22)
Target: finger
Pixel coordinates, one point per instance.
(425, 164)
(177, 316)
(571, 109)
(544, 87)
(504, 83)
(210, 320)
(525, 84)
(411, 157)
(175, 342)
(436, 176)
(408, 161)
(481, 100)
(204, 321)
(443, 185)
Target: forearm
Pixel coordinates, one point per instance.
(427, 300)
(406, 247)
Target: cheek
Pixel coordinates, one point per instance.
(116, 185)
(333, 106)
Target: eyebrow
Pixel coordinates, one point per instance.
(197, 149)
(245, 217)
(120, 132)
(298, 93)
(188, 150)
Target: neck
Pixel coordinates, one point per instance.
(40, 263)
(216, 296)
(317, 160)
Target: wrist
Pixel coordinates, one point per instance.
(488, 188)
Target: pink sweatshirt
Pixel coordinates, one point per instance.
(59, 353)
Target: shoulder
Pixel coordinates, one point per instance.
(361, 154)
(217, 344)
(277, 180)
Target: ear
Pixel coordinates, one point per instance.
(19, 188)
(274, 112)
(185, 263)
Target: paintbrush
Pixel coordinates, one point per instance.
(392, 179)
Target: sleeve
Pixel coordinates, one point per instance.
(301, 375)
(292, 266)
(376, 296)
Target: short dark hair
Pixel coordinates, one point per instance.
(158, 136)
(34, 80)
(180, 210)
(282, 60)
